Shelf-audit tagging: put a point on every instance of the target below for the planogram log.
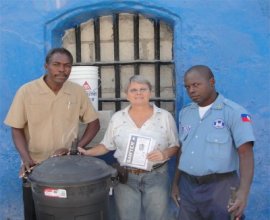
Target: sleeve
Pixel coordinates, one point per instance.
(172, 131)
(16, 116)
(107, 140)
(241, 126)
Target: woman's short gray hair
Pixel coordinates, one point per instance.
(138, 79)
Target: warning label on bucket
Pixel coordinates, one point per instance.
(86, 86)
(87, 77)
(56, 193)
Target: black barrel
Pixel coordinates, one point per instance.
(72, 187)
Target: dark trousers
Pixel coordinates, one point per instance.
(206, 198)
(28, 202)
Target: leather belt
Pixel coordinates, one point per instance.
(137, 171)
(207, 178)
(140, 171)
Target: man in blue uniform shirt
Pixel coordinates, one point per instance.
(217, 141)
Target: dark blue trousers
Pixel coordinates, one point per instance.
(205, 200)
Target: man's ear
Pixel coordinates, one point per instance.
(212, 81)
(46, 66)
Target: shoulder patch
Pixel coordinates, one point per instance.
(246, 117)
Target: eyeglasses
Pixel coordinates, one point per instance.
(141, 90)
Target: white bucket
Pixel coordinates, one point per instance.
(87, 77)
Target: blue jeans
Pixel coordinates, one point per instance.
(144, 196)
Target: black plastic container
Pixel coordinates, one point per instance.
(72, 188)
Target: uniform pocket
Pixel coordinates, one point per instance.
(218, 145)
(72, 111)
(217, 138)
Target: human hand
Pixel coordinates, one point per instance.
(82, 151)
(60, 152)
(175, 194)
(157, 155)
(236, 207)
(27, 167)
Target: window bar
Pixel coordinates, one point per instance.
(97, 57)
(136, 43)
(174, 79)
(133, 62)
(157, 57)
(78, 43)
(116, 58)
(173, 85)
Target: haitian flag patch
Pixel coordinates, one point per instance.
(246, 117)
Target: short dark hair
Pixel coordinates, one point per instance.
(58, 50)
(202, 69)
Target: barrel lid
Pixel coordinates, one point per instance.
(71, 169)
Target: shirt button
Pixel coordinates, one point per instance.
(192, 152)
(196, 136)
(191, 167)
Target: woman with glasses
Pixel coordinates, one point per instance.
(144, 137)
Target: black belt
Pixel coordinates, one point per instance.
(207, 178)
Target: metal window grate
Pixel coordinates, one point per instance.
(117, 64)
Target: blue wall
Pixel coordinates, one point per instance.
(231, 36)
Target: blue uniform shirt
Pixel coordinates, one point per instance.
(209, 145)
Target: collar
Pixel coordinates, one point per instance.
(46, 89)
(155, 108)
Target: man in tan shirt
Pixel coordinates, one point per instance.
(45, 114)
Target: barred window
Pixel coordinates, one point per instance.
(122, 45)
